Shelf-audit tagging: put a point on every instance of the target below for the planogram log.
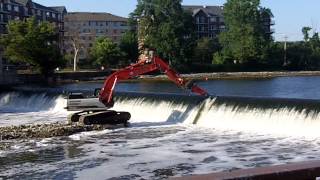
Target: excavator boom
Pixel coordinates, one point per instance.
(143, 67)
(104, 116)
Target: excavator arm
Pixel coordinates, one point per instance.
(142, 67)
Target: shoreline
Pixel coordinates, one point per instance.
(217, 76)
(235, 75)
(101, 76)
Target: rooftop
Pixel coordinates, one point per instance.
(209, 10)
(87, 16)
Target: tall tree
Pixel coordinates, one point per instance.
(105, 53)
(129, 46)
(305, 32)
(244, 40)
(33, 43)
(164, 26)
(205, 49)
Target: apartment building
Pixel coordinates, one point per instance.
(209, 21)
(84, 27)
(22, 9)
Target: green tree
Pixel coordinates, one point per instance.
(312, 57)
(33, 43)
(205, 49)
(129, 46)
(105, 53)
(305, 32)
(244, 41)
(166, 27)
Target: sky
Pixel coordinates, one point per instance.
(289, 15)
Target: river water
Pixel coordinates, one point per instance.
(246, 123)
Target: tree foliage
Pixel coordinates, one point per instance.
(166, 27)
(105, 53)
(204, 50)
(245, 39)
(129, 46)
(33, 43)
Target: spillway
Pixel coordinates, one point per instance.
(248, 114)
(170, 134)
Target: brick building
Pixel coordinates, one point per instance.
(85, 27)
(22, 9)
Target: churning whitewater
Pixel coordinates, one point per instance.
(170, 135)
(257, 115)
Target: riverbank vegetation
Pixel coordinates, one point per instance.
(35, 44)
(245, 45)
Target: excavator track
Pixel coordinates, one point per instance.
(99, 117)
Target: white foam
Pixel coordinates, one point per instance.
(278, 121)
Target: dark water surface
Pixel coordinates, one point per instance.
(281, 87)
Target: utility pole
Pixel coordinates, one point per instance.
(285, 51)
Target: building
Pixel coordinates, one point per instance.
(22, 9)
(82, 28)
(209, 21)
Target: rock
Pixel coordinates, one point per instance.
(44, 130)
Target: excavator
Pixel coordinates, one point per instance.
(96, 110)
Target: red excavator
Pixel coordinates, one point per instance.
(95, 110)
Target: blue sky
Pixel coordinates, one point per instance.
(290, 15)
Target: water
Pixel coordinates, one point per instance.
(170, 135)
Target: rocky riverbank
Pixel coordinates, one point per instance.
(44, 130)
(236, 75)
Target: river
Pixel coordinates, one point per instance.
(246, 123)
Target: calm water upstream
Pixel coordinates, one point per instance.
(249, 123)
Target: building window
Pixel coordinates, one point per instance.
(198, 19)
(47, 14)
(202, 28)
(115, 31)
(16, 8)
(54, 15)
(1, 17)
(1, 6)
(213, 19)
(202, 19)
(5, 18)
(9, 7)
(107, 23)
(39, 12)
